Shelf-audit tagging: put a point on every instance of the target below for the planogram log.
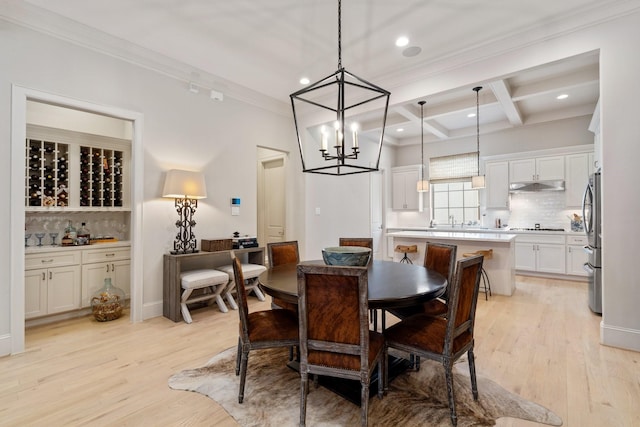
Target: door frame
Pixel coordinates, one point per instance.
(277, 155)
(19, 97)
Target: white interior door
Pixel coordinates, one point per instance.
(273, 203)
(377, 212)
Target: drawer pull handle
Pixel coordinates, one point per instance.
(110, 255)
(44, 277)
(47, 261)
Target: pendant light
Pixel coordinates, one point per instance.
(478, 180)
(423, 184)
(339, 151)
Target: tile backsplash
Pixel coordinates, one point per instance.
(544, 208)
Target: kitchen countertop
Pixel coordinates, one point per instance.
(455, 235)
(472, 229)
(34, 249)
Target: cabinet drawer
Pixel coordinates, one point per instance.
(577, 240)
(106, 254)
(51, 259)
(537, 238)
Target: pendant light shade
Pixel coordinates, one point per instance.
(478, 180)
(337, 145)
(423, 184)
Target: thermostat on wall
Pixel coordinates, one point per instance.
(235, 206)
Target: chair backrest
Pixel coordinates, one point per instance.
(441, 258)
(365, 242)
(283, 253)
(243, 307)
(333, 317)
(463, 298)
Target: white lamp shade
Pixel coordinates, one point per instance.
(188, 184)
(477, 181)
(423, 186)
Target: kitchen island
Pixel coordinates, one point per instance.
(500, 269)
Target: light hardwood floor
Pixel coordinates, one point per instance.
(542, 343)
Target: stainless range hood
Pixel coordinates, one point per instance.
(536, 186)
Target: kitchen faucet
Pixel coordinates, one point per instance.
(452, 219)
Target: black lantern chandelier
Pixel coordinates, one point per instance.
(337, 94)
(478, 180)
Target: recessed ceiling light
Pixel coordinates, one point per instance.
(304, 81)
(563, 96)
(402, 41)
(470, 115)
(400, 130)
(411, 51)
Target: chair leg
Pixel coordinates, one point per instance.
(256, 290)
(243, 373)
(304, 388)
(472, 373)
(183, 305)
(238, 357)
(231, 301)
(364, 402)
(381, 377)
(221, 305)
(448, 366)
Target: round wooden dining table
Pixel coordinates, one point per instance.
(391, 284)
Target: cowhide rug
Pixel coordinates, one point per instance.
(272, 396)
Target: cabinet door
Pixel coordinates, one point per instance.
(93, 276)
(121, 276)
(63, 290)
(550, 258)
(405, 195)
(576, 258)
(398, 191)
(549, 168)
(35, 293)
(577, 176)
(525, 256)
(497, 184)
(410, 190)
(522, 170)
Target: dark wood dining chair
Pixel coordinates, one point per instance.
(280, 253)
(283, 253)
(260, 329)
(335, 339)
(365, 242)
(441, 258)
(445, 339)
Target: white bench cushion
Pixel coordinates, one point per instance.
(249, 271)
(199, 278)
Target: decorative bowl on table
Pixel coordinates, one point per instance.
(354, 256)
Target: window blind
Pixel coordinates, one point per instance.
(457, 167)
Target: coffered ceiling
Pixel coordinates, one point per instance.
(265, 47)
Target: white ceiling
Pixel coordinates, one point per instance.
(267, 45)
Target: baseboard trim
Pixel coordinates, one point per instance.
(615, 336)
(152, 309)
(5, 345)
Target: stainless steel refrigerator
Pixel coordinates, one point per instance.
(591, 211)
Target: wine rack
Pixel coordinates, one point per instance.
(47, 173)
(101, 177)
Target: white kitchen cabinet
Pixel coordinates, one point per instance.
(497, 184)
(98, 264)
(576, 256)
(540, 253)
(52, 283)
(404, 193)
(536, 169)
(577, 170)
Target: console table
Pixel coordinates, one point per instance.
(176, 264)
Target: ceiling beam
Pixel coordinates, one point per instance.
(412, 116)
(502, 92)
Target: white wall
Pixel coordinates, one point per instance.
(181, 130)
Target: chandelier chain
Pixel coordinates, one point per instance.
(339, 34)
